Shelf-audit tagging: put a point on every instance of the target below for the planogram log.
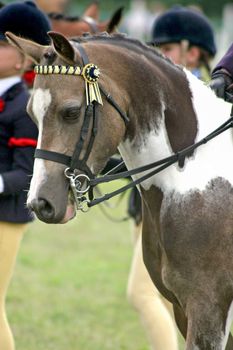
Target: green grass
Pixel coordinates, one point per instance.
(69, 287)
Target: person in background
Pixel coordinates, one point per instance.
(222, 77)
(138, 21)
(187, 38)
(48, 7)
(18, 137)
(52, 6)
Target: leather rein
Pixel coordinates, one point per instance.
(84, 183)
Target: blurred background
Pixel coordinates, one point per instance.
(69, 287)
(139, 15)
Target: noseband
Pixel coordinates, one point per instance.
(79, 183)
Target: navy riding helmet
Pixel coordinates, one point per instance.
(26, 20)
(179, 24)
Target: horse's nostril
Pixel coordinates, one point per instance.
(43, 209)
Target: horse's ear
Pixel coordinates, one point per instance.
(92, 11)
(29, 48)
(115, 20)
(62, 46)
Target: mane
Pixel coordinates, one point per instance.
(122, 39)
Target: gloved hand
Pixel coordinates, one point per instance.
(222, 84)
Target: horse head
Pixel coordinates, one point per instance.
(66, 121)
(157, 110)
(88, 22)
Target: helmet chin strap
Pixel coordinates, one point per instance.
(184, 46)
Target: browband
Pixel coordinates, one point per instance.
(90, 72)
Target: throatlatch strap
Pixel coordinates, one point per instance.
(115, 105)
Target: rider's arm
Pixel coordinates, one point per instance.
(222, 75)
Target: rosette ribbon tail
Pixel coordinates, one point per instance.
(93, 93)
(90, 73)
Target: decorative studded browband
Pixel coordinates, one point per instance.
(90, 72)
(80, 183)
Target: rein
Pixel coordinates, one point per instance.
(159, 165)
(80, 184)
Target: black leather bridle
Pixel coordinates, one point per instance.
(90, 73)
(83, 183)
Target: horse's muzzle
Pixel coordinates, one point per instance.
(43, 210)
(46, 212)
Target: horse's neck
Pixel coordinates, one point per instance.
(210, 111)
(207, 162)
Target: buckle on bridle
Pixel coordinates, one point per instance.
(77, 188)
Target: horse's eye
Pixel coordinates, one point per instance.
(71, 114)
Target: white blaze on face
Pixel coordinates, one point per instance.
(41, 100)
(209, 161)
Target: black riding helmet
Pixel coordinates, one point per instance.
(26, 20)
(179, 24)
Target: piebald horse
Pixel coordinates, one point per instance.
(159, 109)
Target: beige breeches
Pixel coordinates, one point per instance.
(10, 238)
(155, 311)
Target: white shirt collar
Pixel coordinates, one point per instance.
(7, 83)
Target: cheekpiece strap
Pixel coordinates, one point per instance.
(90, 72)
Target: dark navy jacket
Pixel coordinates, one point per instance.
(227, 61)
(18, 135)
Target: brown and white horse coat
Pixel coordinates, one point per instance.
(188, 210)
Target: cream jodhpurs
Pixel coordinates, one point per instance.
(155, 311)
(10, 238)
